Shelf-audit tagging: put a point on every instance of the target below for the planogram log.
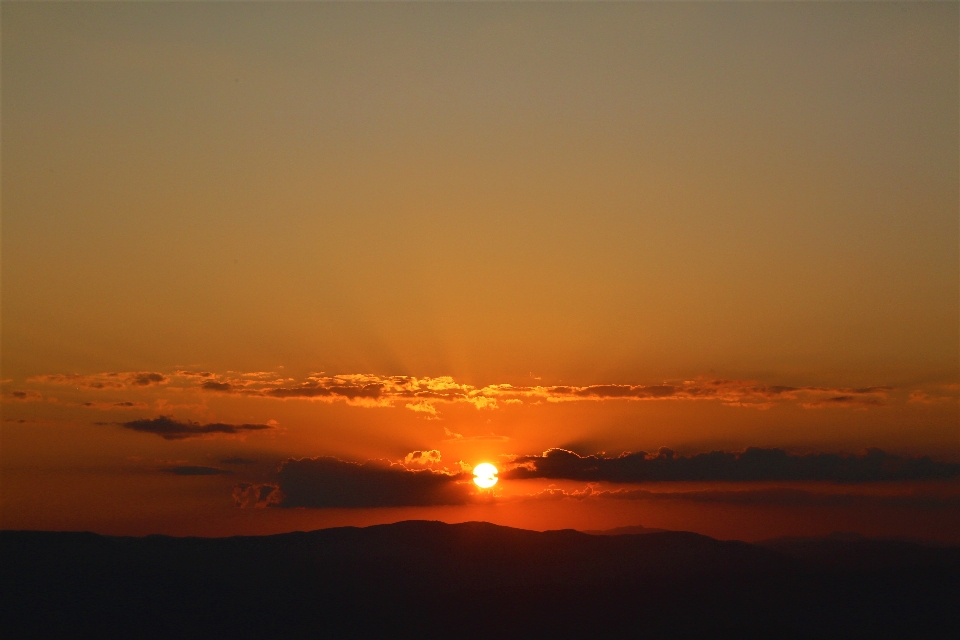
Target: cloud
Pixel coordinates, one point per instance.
(422, 458)
(146, 379)
(348, 387)
(247, 494)
(169, 429)
(117, 380)
(114, 406)
(730, 392)
(422, 407)
(947, 393)
(237, 460)
(834, 401)
(422, 394)
(426, 394)
(750, 465)
(327, 482)
(211, 385)
(23, 396)
(196, 471)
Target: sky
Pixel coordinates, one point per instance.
(277, 266)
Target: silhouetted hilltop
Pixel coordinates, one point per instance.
(621, 531)
(432, 579)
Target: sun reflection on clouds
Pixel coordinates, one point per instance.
(425, 395)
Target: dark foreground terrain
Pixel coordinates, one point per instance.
(429, 579)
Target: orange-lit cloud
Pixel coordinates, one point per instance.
(424, 395)
(422, 458)
(421, 394)
(942, 393)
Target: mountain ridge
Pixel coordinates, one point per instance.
(476, 577)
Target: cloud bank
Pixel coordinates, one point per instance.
(425, 395)
(754, 464)
(420, 394)
(327, 482)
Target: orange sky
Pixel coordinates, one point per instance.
(485, 230)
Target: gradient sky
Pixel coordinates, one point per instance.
(696, 226)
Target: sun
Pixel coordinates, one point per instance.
(485, 475)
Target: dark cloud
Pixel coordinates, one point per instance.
(110, 406)
(111, 380)
(145, 379)
(330, 482)
(195, 471)
(750, 465)
(330, 388)
(210, 385)
(237, 461)
(193, 374)
(169, 429)
(23, 396)
(348, 391)
(620, 391)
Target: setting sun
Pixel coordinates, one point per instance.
(485, 475)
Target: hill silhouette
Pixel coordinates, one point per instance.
(619, 531)
(475, 579)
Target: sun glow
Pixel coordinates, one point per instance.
(485, 475)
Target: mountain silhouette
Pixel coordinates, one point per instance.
(430, 579)
(619, 531)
